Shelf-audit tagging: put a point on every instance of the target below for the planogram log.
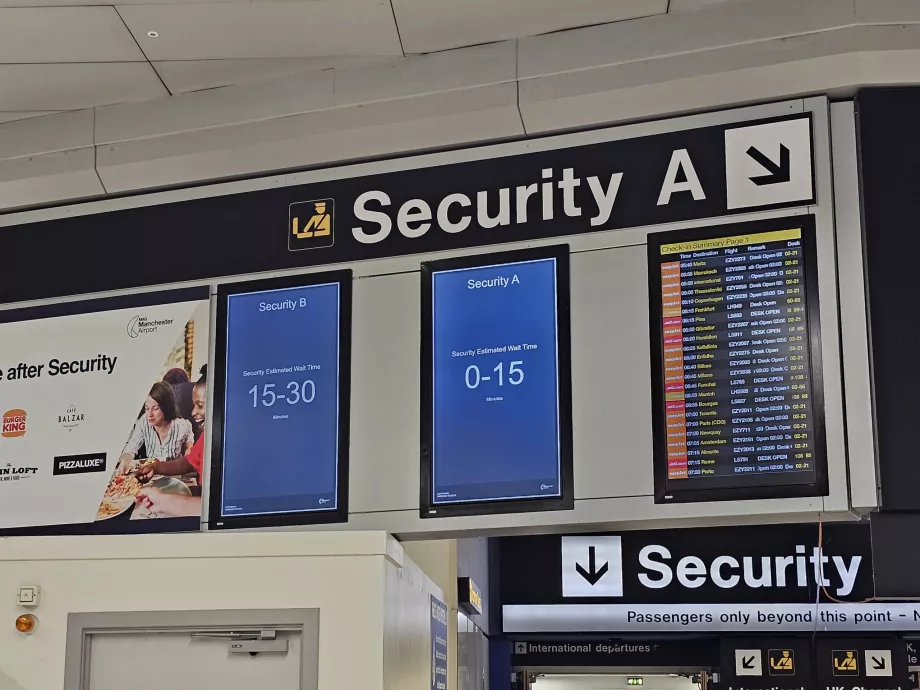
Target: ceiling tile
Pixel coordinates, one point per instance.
(431, 25)
(75, 86)
(194, 75)
(24, 115)
(203, 31)
(687, 5)
(64, 34)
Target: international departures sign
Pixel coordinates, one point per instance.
(662, 178)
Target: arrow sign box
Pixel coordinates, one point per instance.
(878, 662)
(592, 567)
(748, 662)
(769, 164)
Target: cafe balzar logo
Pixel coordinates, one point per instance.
(71, 419)
(14, 424)
(141, 325)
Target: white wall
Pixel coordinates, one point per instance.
(348, 576)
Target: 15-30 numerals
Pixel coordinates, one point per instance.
(297, 392)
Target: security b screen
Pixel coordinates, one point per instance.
(738, 403)
(279, 456)
(496, 373)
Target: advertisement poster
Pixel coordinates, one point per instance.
(438, 644)
(103, 414)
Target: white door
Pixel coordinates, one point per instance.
(178, 661)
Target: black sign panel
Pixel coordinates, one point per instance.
(731, 565)
(765, 664)
(861, 664)
(889, 178)
(663, 178)
(687, 652)
(737, 387)
(894, 562)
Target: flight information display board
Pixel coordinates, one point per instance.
(280, 441)
(496, 384)
(737, 394)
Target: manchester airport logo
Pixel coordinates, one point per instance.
(141, 325)
(311, 224)
(14, 424)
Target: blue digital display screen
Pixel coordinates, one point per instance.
(495, 378)
(281, 403)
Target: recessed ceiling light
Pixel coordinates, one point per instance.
(153, 34)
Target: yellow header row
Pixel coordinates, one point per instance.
(734, 241)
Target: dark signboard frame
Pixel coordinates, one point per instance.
(566, 498)
(340, 513)
(888, 150)
(665, 492)
(250, 232)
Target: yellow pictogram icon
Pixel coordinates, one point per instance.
(782, 662)
(845, 662)
(319, 224)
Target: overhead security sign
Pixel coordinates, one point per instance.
(554, 187)
(713, 579)
(600, 186)
(768, 564)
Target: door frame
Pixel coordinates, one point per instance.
(81, 627)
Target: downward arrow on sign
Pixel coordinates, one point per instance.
(592, 574)
(878, 664)
(747, 663)
(778, 172)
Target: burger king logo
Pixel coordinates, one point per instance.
(14, 423)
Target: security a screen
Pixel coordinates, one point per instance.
(496, 360)
(736, 361)
(283, 437)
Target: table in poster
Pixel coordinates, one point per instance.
(737, 375)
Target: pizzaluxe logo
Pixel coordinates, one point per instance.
(78, 464)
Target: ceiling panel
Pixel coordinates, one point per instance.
(75, 86)
(686, 5)
(216, 30)
(24, 115)
(195, 75)
(64, 34)
(431, 25)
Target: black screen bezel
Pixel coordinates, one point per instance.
(314, 517)
(566, 499)
(819, 487)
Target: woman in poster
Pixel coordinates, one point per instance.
(160, 431)
(170, 504)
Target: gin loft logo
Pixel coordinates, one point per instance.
(312, 224)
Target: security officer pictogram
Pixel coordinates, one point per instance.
(845, 662)
(312, 224)
(782, 662)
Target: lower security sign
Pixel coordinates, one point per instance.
(878, 663)
(845, 663)
(782, 662)
(765, 664)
